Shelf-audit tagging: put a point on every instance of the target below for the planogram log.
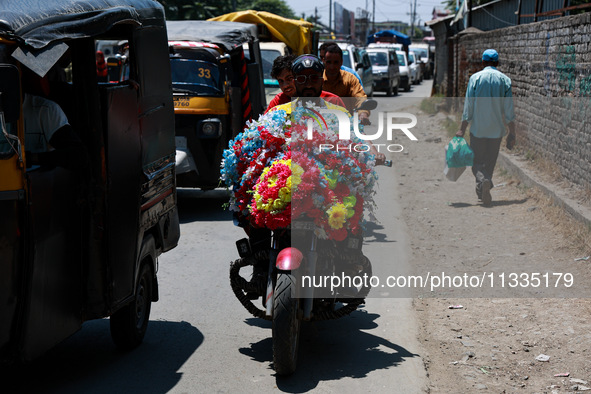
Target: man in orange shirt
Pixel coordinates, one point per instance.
(343, 83)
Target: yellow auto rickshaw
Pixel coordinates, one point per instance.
(216, 91)
(81, 241)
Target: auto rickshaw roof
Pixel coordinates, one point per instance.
(294, 33)
(39, 23)
(228, 35)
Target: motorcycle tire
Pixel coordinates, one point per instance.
(286, 325)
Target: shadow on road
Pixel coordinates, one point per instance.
(375, 232)
(197, 205)
(332, 350)
(89, 362)
(498, 203)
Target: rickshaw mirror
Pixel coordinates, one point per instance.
(10, 92)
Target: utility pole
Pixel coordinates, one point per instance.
(315, 14)
(413, 16)
(373, 16)
(330, 16)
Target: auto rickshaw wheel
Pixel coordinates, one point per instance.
(129, 324)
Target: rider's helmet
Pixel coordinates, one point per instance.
(305, 62)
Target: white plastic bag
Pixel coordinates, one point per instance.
(453, 173)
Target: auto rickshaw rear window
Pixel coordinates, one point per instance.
(198, 76)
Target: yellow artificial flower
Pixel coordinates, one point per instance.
(285, 193)
(296, 172)
(337, 214)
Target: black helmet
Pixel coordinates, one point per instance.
(304, 62)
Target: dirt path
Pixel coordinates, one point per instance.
(491, 343)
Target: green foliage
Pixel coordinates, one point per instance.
(195, 10)
(277, 7)
(205, 9)
(432, 105)
(452, 126)
(578, 2)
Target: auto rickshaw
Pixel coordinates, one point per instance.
(216, 90)
(83, 243)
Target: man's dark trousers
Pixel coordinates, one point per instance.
(486, 151)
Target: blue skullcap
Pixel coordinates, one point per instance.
(490, 55)
(304, 62)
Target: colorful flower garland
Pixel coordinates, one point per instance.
(278, 175)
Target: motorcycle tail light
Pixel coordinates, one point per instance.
(289, 259)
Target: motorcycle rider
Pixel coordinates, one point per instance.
(308, 71)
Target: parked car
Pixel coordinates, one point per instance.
(424, 56)
(386, 72)
(415, 69)
(358, 59)
(403, 65)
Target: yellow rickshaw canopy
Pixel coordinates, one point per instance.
(296, 34)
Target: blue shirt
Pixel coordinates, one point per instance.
(489, 103)
(350, 70)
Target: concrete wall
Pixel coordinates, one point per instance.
(549, 64)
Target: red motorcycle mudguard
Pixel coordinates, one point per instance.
(289, 259)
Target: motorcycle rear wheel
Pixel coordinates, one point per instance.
(286, 325)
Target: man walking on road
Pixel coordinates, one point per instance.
(488, 106)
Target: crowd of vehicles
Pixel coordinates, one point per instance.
(412, 65)
(80, 246)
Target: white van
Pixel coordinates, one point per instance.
(386, 72)
(425, 57)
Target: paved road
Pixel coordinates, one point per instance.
(200, 339)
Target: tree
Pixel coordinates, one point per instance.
(205, 9)
(195, 10)
(277, 7)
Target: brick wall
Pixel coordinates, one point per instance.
(549, 64)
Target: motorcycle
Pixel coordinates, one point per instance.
(299, 277)
(278, 269)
